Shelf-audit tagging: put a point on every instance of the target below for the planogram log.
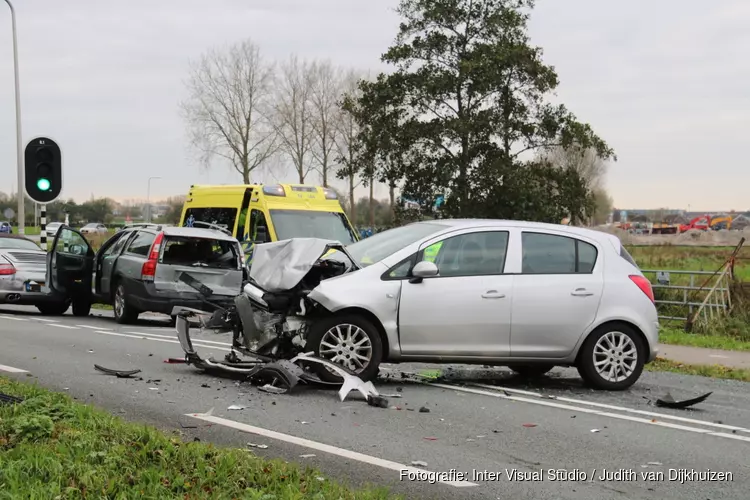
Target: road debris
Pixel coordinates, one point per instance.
(175, 361)
(260, 446)
(272, 389)
(116, 373)
(309, 455)
(430, 438)
(667, 401)
(595, 430)
(424, 409)
(236, 407)
(377, 401)
(7, 399)
(419, 463)
(529, 425)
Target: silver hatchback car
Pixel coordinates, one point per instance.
(526, 295)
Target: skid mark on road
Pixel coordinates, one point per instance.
(10, 369)
(325, 448)
(580, 409)
(625, 409)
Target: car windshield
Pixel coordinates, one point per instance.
(381, 245)
(312, 224)
(18, 244)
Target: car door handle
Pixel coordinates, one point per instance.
(581, 292)
(493, 294)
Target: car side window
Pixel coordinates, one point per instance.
(257, 219)
(401, 270)
(141, 244)
(118, 245)
(553, 254)
(472, 254)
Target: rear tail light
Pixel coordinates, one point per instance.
(148, 271)
(644, 285)
(7, 269)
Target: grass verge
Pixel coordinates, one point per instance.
(712, 371)
(103, 307)
(53, 447)
(675, 336)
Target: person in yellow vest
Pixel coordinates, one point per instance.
(431, 252)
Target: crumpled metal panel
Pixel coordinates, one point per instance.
(281, 265)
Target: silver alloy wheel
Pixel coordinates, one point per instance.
(615, 356)
(119, 302)
(347, 345)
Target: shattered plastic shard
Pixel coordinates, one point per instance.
(669, 402)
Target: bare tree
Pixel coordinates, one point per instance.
(293, 114)
(227, 109)
(584, 161)
(324, 96)
(347, 138)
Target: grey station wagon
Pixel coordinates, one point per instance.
(141, 268)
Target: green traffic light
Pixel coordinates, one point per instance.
(43, 184)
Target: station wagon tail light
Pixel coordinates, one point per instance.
(7, 269)
(148, 271)
(274, 190)
(330, 194)
(644, 285)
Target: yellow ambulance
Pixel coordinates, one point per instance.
(265, 213)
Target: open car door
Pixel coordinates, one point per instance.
(70, 266)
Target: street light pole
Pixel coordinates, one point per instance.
(19, 147)
(148, 198)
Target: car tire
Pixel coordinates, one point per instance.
(615, 344)
(53, 309)
(81, 309)
(335, 327)
(124, 312)
(531, 370)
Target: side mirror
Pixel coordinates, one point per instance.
(424, 269)
(261, 235)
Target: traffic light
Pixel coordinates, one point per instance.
(43, 170)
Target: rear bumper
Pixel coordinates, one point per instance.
(13, 289)
(144, 297)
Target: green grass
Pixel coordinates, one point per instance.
(54, 448)
(712, 371)
(104, 307)
(28, 230)
(676, 336)
(690, 258)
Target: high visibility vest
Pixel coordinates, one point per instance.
(431, 252)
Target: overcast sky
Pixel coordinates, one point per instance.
(665, 83)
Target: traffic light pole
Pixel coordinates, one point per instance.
(43, 224)
(19, 146)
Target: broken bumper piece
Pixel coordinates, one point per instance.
(280, 375)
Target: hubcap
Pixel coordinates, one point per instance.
(615, 356)
(119, 302)
(347, 345)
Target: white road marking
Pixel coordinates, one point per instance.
(581, 409)
(47, 320)
(10, 369)
(326, 448)
(718, 356)
(12, 318)
(175, 336)
(196, 344)
(617, 408)
(96, 328)
(64, 326)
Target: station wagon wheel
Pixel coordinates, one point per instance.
(612, 357)
(350, 341)
(124, 311)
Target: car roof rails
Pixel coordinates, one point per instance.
(215, 227)
(145, 224)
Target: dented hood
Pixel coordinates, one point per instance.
(281, 265)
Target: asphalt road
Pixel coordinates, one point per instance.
(471, 425)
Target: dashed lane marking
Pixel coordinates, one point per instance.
(581, 409)
(325, 448)
(96, 328)
(171, 341)
(174, 337)
(653, 414)
(10, 369)
(63, 326)
(12, 318)
(44, 320)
